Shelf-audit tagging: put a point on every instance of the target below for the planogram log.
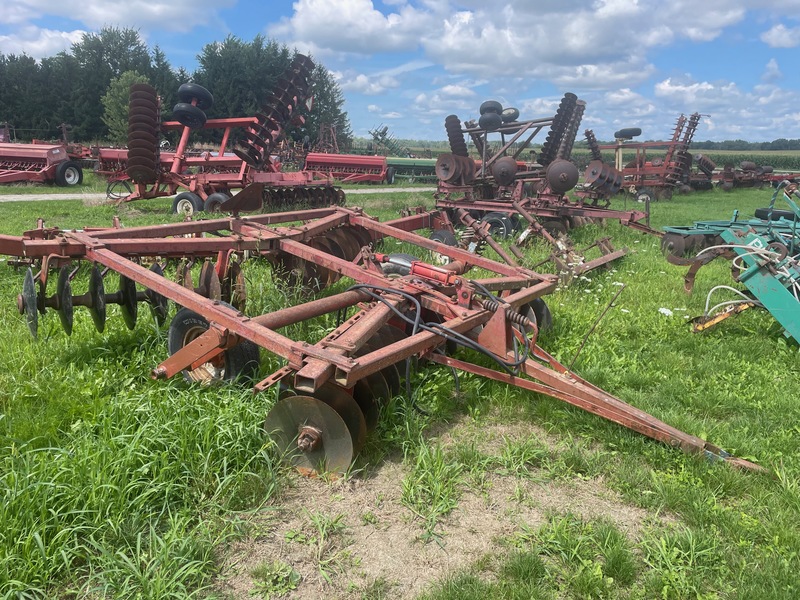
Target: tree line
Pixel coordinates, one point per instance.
(85, 86)
(779, 144)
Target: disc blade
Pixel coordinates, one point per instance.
(347, 408)
(333, 451)
(64, 296)
(159, 304)
(27, 303)
(128, 301)
(97, 294)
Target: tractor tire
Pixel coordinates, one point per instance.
(69, 173)
(187, 204)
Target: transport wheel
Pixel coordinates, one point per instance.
(390, 173)
(187, 204)
(69, 173)
(510, 115)
(239, 362)
(191, 91)
(491, 106)
(214, 202)
(500, 224)
(555, 227)
(490, 121)
(445, 237)
(189, 115)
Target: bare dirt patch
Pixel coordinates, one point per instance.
(378, 547)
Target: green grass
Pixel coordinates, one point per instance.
(113, 485)
(92, 184)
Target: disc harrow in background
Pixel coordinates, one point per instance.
(280, 109)
(143, 127)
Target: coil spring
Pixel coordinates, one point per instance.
(511, 314)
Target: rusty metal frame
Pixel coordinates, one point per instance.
(486, 310)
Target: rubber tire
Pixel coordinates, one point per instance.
(214, 201)
(554, 227)
(490, 121)
(763, 213)
(183, 201)
(445, 237)
(491, 106)
(188, 115)
(499, 224)
(241, 362)
(510, 115)
(627, 133)
(68, 174)
(192, 91)
(390, 173)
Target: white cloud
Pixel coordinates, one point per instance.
(456, 91)
(38, 43)
(367, 85)
(353, 26)
(172, 15)
(772, 71)
(373, 108)
(780, 36)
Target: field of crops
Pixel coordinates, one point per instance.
(783, 161)
(116, 486)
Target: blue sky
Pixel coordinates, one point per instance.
(407, 64)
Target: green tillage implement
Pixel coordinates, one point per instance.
(766, 259)
(413, 169)
(773, 281)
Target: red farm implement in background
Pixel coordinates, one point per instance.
(350, 168)
(468, 314)
(38, 163)
(208, 178)
(504, 196)
(655, 177)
